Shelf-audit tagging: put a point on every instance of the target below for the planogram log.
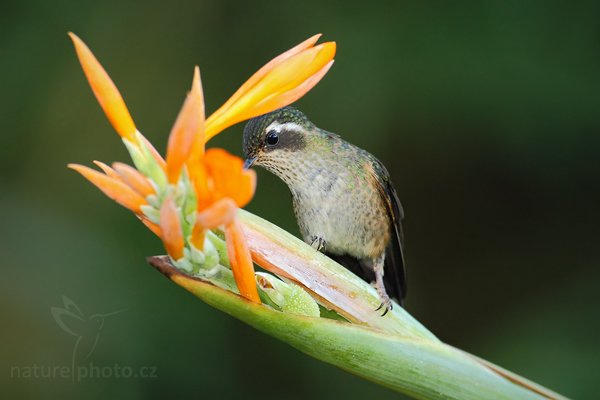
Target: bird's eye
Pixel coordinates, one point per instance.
(272, 138)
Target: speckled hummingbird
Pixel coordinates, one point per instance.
(343, 197)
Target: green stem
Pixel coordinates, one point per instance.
(422, 368)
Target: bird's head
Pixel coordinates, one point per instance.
(274, 140)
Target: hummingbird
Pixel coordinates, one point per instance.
(343, 198)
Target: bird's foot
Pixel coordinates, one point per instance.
(318, 243)
(386, 305)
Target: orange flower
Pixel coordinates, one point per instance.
(196, 190)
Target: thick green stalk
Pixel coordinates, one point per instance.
(420, 367)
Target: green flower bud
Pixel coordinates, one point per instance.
(290, 297)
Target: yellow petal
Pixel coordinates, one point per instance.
(113, 188)
(188, 129)
(291, 73)
(287, 75)
(105, 91)
(258, 75)
(279, 100)
(170, 228)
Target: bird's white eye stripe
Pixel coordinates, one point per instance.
(273, 127)
(288, 126)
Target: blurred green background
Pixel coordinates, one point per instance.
(487, 115)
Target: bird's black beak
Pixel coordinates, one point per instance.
(249, 161)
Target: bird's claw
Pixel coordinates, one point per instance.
(387, 305)
(318, 243)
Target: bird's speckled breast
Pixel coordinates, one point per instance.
(335, 201)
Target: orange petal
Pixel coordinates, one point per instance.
(151, 225)
(170, 227)
(113, 188)
(198, 235)
(220, 213)
(189, 124)
(108, 170)
(198, 147)
(105, 90)
(241, 262)
(202, 186)
(279, 78)
(228, 177)
(246, 188)
(134, 179)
